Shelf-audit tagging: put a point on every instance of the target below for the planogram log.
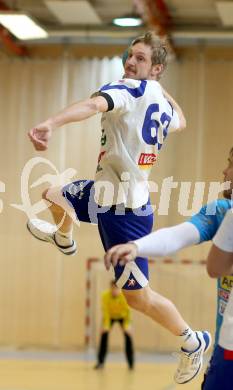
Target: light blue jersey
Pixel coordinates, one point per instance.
(207, 221)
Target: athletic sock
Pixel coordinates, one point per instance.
(190, 341)
(63, 239)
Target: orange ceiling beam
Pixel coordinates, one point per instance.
(159, 16)
(7, 39)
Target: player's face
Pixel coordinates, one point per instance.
(228, 176)
(138, 65)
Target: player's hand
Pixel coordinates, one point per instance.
(40, 135)
(123, 254)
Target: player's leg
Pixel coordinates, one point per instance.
(59, 233)
(103, 346)
(102, 351)
(129, 349)
(63, 214)
(163, 311)
(66, 205)
(133, 279)
(158, 308)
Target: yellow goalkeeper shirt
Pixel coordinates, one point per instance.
(114, 308)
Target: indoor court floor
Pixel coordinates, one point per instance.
(28, 371)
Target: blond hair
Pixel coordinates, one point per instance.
(158, 46)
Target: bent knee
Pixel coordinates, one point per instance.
(48, 196)
(137, 299)
(213, 273)
(53, 195)
(130, 300)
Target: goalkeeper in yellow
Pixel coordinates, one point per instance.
(115, 309)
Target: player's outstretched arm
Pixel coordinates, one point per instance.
(178, 109)
(162, 242)
(41, 134)
(123, 254)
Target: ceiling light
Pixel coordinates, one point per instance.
(128, 21)
(22, 26)
(73, 11)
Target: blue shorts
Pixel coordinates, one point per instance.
(116, 225)
(220, 371)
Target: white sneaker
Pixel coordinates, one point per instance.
(191, 362)
(45, 231)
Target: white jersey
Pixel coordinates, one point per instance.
(224, 240)
(133, 132)
(226, 331)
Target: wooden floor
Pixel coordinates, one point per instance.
(73, 375)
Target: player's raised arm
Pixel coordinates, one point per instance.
(177, 108)
(40, 134)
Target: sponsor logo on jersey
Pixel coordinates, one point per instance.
(99, 168)
(103, 138)
(222, 307)
(227, 282)
(228, 355)
(223, 294)
(100, 156)
(146, 160)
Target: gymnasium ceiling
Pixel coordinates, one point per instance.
(187, 22)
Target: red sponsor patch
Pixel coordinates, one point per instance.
(100, 156)
(224, 294)
(228, 355)
(147, 159)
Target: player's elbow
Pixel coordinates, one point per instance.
(213, 272)
(213, 266)
(99, 104)
(183, 123)
(92, 106)
(219, 262)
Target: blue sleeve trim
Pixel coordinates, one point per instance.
(209, 218)
(135, 92)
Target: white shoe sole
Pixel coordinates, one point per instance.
(66, 250)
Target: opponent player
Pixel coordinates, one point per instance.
(138, 115)
(201, 227)
(219, 263)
